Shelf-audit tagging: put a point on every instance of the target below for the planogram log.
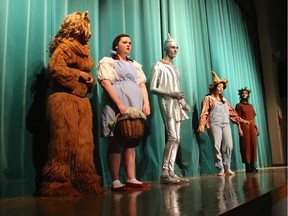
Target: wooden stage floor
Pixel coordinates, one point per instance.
(263, 193)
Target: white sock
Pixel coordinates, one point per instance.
(116, 184)
(134, 181)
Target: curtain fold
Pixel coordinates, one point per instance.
(211, 35)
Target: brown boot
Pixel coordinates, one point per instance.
(252, 165)
(248, 168)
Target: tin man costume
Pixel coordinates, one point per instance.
(166, 84)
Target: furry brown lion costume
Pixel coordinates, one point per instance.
(70, 169)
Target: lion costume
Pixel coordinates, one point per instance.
(70, 169)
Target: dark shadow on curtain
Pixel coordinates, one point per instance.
(143, 146)
(37, 124)
(96, 109)
(195, 122)
(195, 125)
(179, 159)
(206, 162)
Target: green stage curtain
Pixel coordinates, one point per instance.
(211, 34)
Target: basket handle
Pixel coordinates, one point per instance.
(112, 124)
(116, 118)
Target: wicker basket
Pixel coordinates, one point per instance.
(130, 131)
(130, 128)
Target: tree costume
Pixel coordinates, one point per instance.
(248, 133)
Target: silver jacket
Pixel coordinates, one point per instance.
(165, 81)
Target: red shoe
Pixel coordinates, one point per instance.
(135, 185)
(122, 188)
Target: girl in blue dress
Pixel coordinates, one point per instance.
(124, 83)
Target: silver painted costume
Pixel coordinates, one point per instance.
(165, 83)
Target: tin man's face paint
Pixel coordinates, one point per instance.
(172, 50)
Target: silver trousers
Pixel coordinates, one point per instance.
(171, 148)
